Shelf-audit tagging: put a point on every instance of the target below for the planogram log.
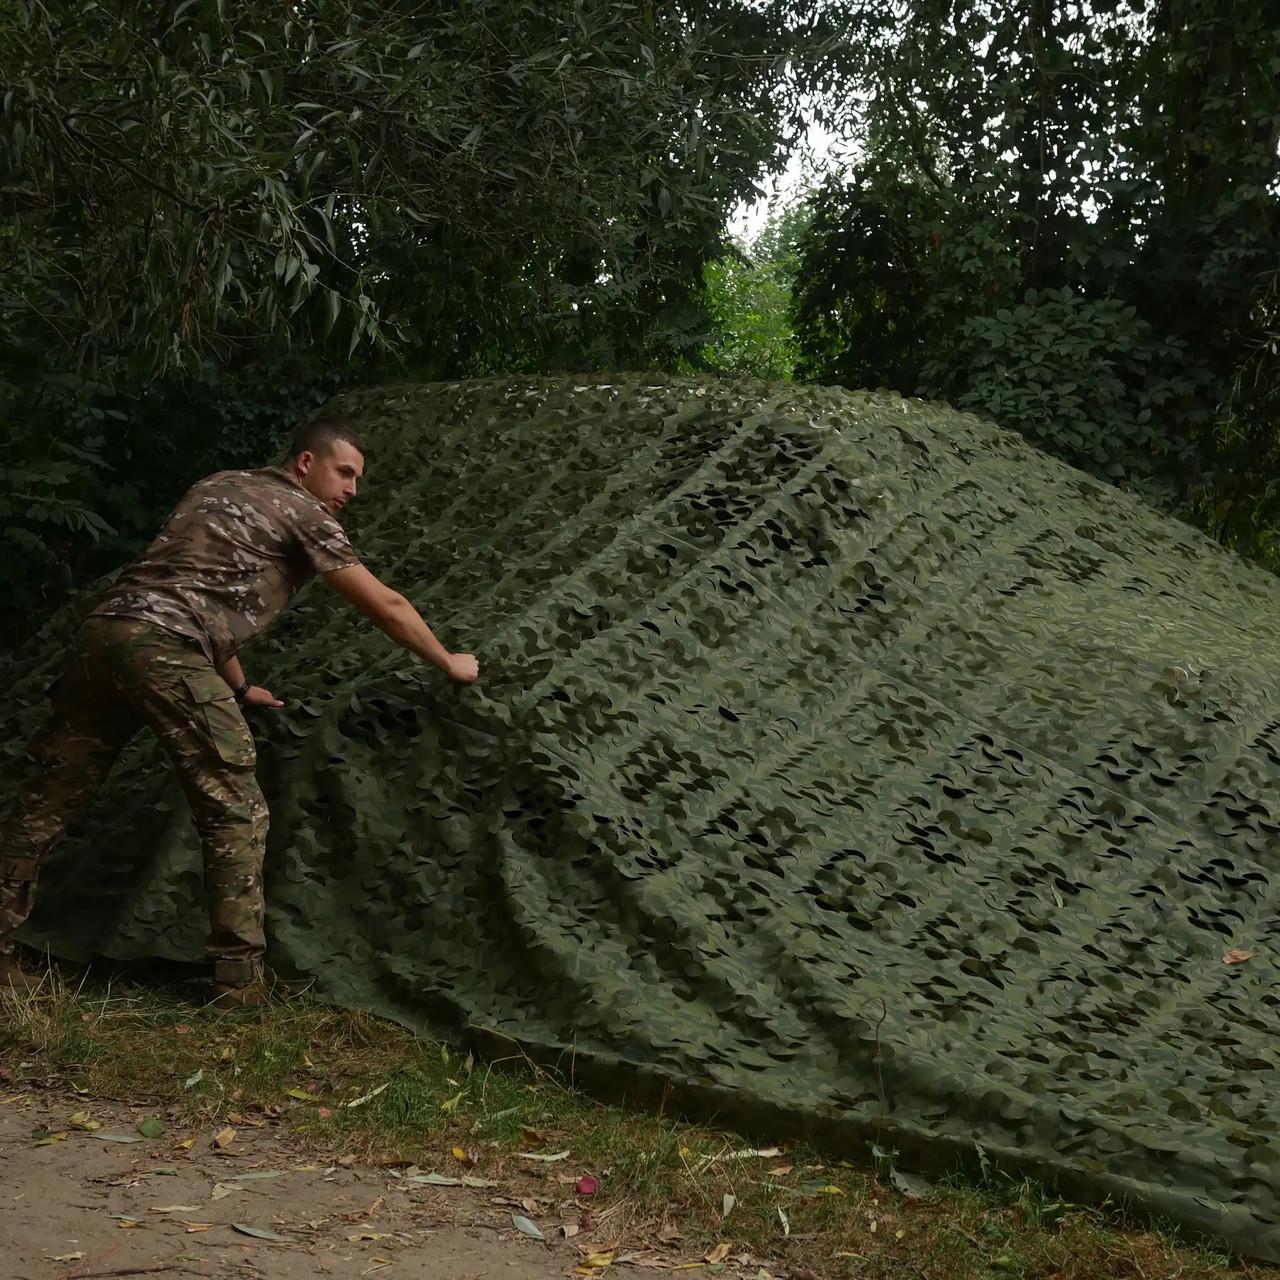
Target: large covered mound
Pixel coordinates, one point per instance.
(839, 761)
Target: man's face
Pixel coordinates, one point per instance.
(331, 476)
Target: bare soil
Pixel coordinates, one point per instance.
(84, 1206)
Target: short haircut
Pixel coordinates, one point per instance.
(320, 436)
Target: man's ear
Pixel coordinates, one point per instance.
(303, 461)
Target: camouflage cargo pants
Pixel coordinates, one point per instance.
(120, 676)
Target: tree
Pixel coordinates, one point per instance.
(1063, 219)
(748, 296)
(199, 200)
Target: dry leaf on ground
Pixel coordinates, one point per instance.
(259, 1233)
(521, 1223)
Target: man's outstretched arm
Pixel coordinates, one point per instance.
(391, 613)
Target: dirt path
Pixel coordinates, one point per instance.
(84, 1206)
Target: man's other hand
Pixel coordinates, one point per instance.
(463, 668)
(257, 696)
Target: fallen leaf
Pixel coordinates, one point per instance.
(228, 1052)
(44, 1138)
(301, 1094)
(224, 1138)
(116, 1137)
(779, 1170)
(911, 1186)
(435, 1180)
(521, 1223)
(151, 1127)
(174, 1208)
(470, 1064)
(719, 1253)
(373, 1093)
(598, 1259)
(221, 1190)
(257, 1175)
(127, 1224)
(786, 1222)
(468, 1181)
(669, 1234)
(461, 1156)
(569, 1230)
(546, 1159)
(67, 1257)
(194, 1079)
(197, 1226)
(186, 1144)
(371, 1235)
(259, 1233)
(181, 1029)
(726, 1207)
(324, 1112)
(1237, 955)
(830, 1190)
(81, 1120)
(450, 1105)
(588, 1185)
(13, 1097)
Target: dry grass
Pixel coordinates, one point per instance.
(801, 1211)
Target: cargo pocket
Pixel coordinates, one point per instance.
(218, 719)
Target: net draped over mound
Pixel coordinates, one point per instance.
(839, 761)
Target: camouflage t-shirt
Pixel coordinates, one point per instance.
(233, 553)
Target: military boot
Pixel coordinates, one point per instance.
(249, 984)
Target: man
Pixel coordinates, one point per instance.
(161, 650)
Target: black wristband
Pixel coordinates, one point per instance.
(238, 694)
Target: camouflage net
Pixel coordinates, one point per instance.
(840, 762)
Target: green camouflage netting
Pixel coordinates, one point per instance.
(840, 762)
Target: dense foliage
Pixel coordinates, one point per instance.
(1065, 218)
(749, 292)
(210, 213)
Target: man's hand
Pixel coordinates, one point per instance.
(257, 696)
(463, 668)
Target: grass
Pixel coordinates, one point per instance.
(799, 1212)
